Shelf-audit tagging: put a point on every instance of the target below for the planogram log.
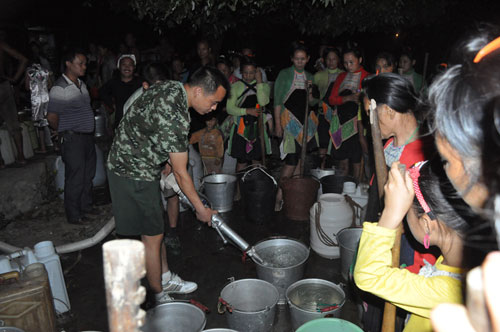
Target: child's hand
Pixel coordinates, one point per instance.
(399, 195)
(253, 112)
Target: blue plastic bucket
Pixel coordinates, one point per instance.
(329, 325)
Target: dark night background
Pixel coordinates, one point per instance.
(433, 27)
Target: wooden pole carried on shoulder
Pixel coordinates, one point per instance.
(261, 125)
(303, 151)
(389, 319)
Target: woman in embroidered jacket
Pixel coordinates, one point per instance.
(244, 142)
(434, 221)
(289, 112)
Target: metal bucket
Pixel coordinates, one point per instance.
(348, 240)
(310, 299)
(220, 330)
(253, 305)
(284, 259)
(219, 189)
(175, 317)
(318, 173)
(329, 325)
(299, 194)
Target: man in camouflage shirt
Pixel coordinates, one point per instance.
(155, 130)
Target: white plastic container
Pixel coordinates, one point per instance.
(27, 146)
(361, 198)
(59, 179)
(46, 254)
(335, 215)
(6, 147)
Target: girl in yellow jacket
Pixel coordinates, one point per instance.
(429, 201)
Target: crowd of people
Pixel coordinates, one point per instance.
(445, 133)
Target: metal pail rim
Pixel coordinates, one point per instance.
(284, 238)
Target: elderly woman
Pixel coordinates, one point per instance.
(466, 104)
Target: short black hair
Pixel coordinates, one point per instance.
(70, 54)
(299, 46)
(327, 51)
(209, 79)
(246, 61)
(154, 72)
(388, 57)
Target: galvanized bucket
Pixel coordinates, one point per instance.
(219, 189)
(175, 316)
(284, 262)
(310, 299)
(348, 240)
(251, 304)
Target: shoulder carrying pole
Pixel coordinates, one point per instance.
(304, 134)
(261, 134)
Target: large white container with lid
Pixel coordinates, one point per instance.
(334, 215)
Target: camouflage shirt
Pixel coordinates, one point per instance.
(156, 124)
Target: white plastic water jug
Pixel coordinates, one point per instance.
(27, 146)
(46, 254)
(334, 215)
(6, 147)
(361, 198)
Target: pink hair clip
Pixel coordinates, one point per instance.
(415, 174)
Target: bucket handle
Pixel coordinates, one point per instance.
(223, 306)
(262, 168)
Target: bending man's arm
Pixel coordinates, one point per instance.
(179, 162)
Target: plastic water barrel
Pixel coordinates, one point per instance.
(335, 215)
(6, 147)
(46, 254)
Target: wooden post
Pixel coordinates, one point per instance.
(389, 319)
(426, 62)
(304, 134)
(124, 266)
(261, 134)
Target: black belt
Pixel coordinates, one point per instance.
(71, 132)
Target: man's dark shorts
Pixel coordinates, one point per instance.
(137, 206)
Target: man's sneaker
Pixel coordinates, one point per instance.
(164, 298)
(173, 244)
(178, 286)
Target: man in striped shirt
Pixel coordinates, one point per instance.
(70, 113)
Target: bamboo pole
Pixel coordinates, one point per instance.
(304, 134)
(124, 266)
(261, 134)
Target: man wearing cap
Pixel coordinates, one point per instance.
(153, 131)
(115, 92)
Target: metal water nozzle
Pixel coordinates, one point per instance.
(218, 222)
